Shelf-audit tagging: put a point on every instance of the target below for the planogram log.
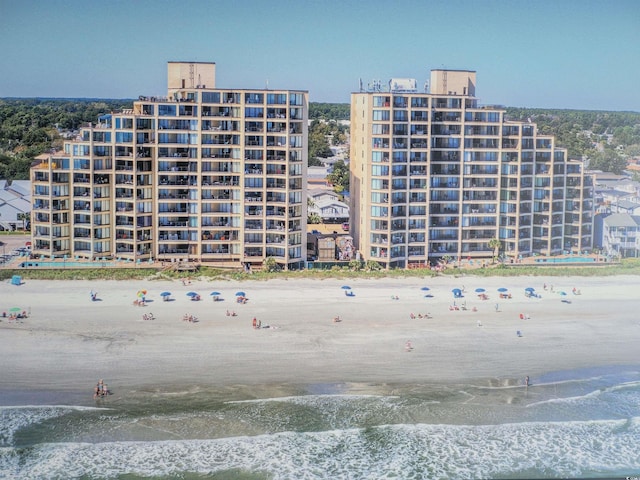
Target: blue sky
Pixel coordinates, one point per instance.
(577, 54)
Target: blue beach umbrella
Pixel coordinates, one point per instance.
(346, 287)
(425, 289)
(529, 289)
(165, 294)
(480, 290)
(192, 294)
(502, 289)
(562, 293)
(214, 294)
(241, 294)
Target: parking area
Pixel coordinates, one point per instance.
(12, 246)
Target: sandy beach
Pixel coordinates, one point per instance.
(68, 341)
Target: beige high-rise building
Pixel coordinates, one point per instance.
(206, 174)
(436, 176)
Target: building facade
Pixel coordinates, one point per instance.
(434, 176)
(621, 235)
(208, 175)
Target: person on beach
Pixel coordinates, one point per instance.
(526, 381)
(100, 389)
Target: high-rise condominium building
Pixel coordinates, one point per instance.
(206, 174)
(435, 175)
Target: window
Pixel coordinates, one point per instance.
(167, 110)
(124, 123)
(379, 170)
(419, 102)
(379, 211)
(80, 150)
(381, 101)
(400, 116)
(253, 112)
(381, 115)
(253, 98)
(281, 99)
(124, 137)
(377, 157)
(210, 97)
(380, 129)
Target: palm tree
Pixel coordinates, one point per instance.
(314, 218)
(496, 245)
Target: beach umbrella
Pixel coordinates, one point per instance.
(529, 289)
(562, 293)
(15, 310)
(502, 289)
(192, 294)
(425, 289)
(480, 290)
(215, 294)
(241, 294)
(346, 287)
(165, 294)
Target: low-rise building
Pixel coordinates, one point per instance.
(621, 235)
(15, 204)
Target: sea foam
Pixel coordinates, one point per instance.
(559, 449)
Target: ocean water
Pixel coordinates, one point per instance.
(565, 425)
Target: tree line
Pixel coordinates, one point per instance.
(31, 126)
(606, 139)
